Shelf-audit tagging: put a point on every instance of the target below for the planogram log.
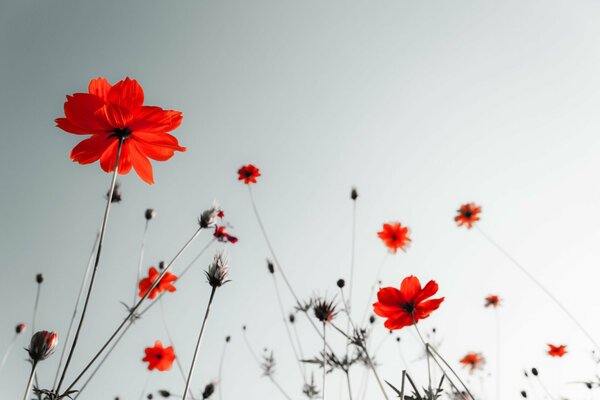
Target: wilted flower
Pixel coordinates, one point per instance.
(248, 174)
(223, 236)
(394, 236)
(20, 328)
(150, 214)
(474, 361)
(208, 217)
(218, 270)
(557, 351)
(42, 345)
(324, 310)
(159, 357)
(467, 215)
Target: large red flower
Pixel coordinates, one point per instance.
(557, 351)
(474, 361)
(468, 214)
(408, 305)
(111, 113)
(165, 283)
(159, 357)
(248, 174)
(394, 236)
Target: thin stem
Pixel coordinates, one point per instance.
(377, 277)
(250, 347)
(544, 387)
(145, 387)
(324, 358)
(348, 383)
(279, 388)
(497, 354)
(140, 263)
(191, 373)
(96, 263)
(8, 351)
(35, 307)
(352, 254)
(30, 380)
(133, 310)
(75, 309)
(426, 351)
(539, 285)
(221, 362)
(287, 328)
(434, 353)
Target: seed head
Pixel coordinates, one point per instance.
(42, 345)
(218, 270)
(209, 217)
(324, 310)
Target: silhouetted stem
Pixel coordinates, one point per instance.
(324, 359)
(96, 263)
(434, 355)
(30, 380)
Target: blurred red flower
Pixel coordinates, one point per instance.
(492, 301)
(159, 357)
(165, 283)
(408, 305)
(557, 351)
(474, 361)
(113, 112)
(223, 236)
(467, 215)
(248, 174)
(394, 236)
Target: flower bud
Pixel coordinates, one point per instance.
(534, 371)
(150, 214)
(39, 278)
(20, 328)
(208, 390)
(353, 193)
(270, 266)
(42, 345)
(227, 339)
(218, 271)
(341, 283)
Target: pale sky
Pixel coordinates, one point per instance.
(421, 105)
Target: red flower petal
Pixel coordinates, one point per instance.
(127, 94)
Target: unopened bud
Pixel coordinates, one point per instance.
(42, 345)
(150, 214)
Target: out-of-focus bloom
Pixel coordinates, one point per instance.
(223, 236)
(353, 193)
(159, 357)
(324, 310)
(42, 345)
(557, 351)
(468, 214)
(408, 305)
(111, 113)
(20, 328)
(209, 217)
(394, 236)
(39, 278)
(218, 270)
(492, 301)
(150, 214)
(248, 174)
(117, 195)
(473, 361)
(209, 389)
(165, 284)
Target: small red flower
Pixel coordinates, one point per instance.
(467, 215)
(557, 351)
(111, 113)
(248, 174)
(159, 357)
(164, 285)
(394, 236)
(492, 301)
(20, 328)
(223, 236)
(408, 305)
(474, 361)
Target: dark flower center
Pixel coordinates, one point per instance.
(408, 307)
(248, 173)
(121, 133)
(394, 237)
(159, 356)
(468, 214)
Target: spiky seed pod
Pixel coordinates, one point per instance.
(218, 270)
(209, 217)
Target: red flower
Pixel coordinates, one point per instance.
(248, 174)
(473, 361)
(408, 305)
(164, 285)
(492, 301)
(223, 236)
(557, 351)
(111, 113)
(467, 215)
(394, 236)
(159, 357)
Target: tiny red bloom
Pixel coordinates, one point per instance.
(20, 328)
(223, 236)
(159, 357)
(164, 285)
(474, 361)
(248, 174)
(557, 351)
(492, 301)
(394, 236)
(467, 215)
(408, 305)
(113, 112)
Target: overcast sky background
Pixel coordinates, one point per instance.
(421, 105)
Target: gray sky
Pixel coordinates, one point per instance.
(422, 105)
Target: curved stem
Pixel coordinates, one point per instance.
(192, 367)
(96, 263)
(8, 351)
(539, 285)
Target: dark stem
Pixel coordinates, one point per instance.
(434, 355)
(97, 261)
(192, 367)
(133, 310)
(539, 285)
(35, 307)
(30, 380)
(324, 359)
(426, 351)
